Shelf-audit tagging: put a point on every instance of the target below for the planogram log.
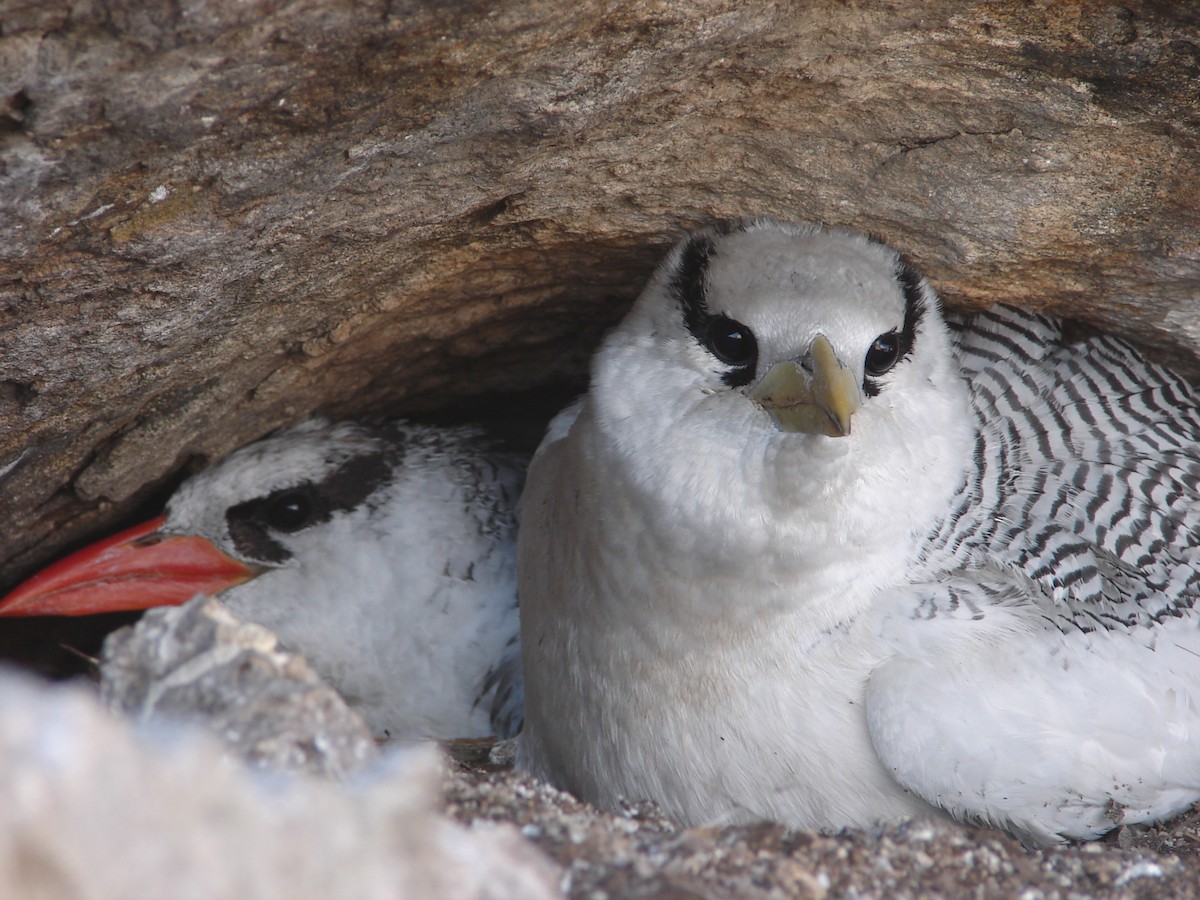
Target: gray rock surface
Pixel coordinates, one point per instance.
(198, 663)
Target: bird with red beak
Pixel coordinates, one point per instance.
(385, 555)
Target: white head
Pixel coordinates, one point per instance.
(388, 558)
(384, 555)
(264, 503)
(791, 390)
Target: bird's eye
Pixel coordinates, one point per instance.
(884, 353)
(290, 511)
(731, 342)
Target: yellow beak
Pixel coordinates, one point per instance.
(813, 394)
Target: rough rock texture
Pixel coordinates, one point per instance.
(96, 812)
(220, 215)
(198, 663)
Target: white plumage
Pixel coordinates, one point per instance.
(805, 551)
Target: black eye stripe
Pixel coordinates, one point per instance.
(915, 305)
(253, 525)
(688, 285)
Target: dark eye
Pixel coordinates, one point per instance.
(731, 342)
(290, 511)
(884, 353)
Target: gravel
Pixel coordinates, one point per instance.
(641, 854)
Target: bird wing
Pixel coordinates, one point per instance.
(1086, 479)
(1046, 737)
(1046, 667)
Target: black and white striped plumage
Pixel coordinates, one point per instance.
(1085, 473)
(807, 551)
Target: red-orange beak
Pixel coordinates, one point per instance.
(135, 569)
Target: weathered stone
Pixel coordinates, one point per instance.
(196, 663)
(221, 216)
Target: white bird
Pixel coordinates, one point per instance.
(808, 552)
(386, 556)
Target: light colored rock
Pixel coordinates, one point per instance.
(197, 663)
(94, 811)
